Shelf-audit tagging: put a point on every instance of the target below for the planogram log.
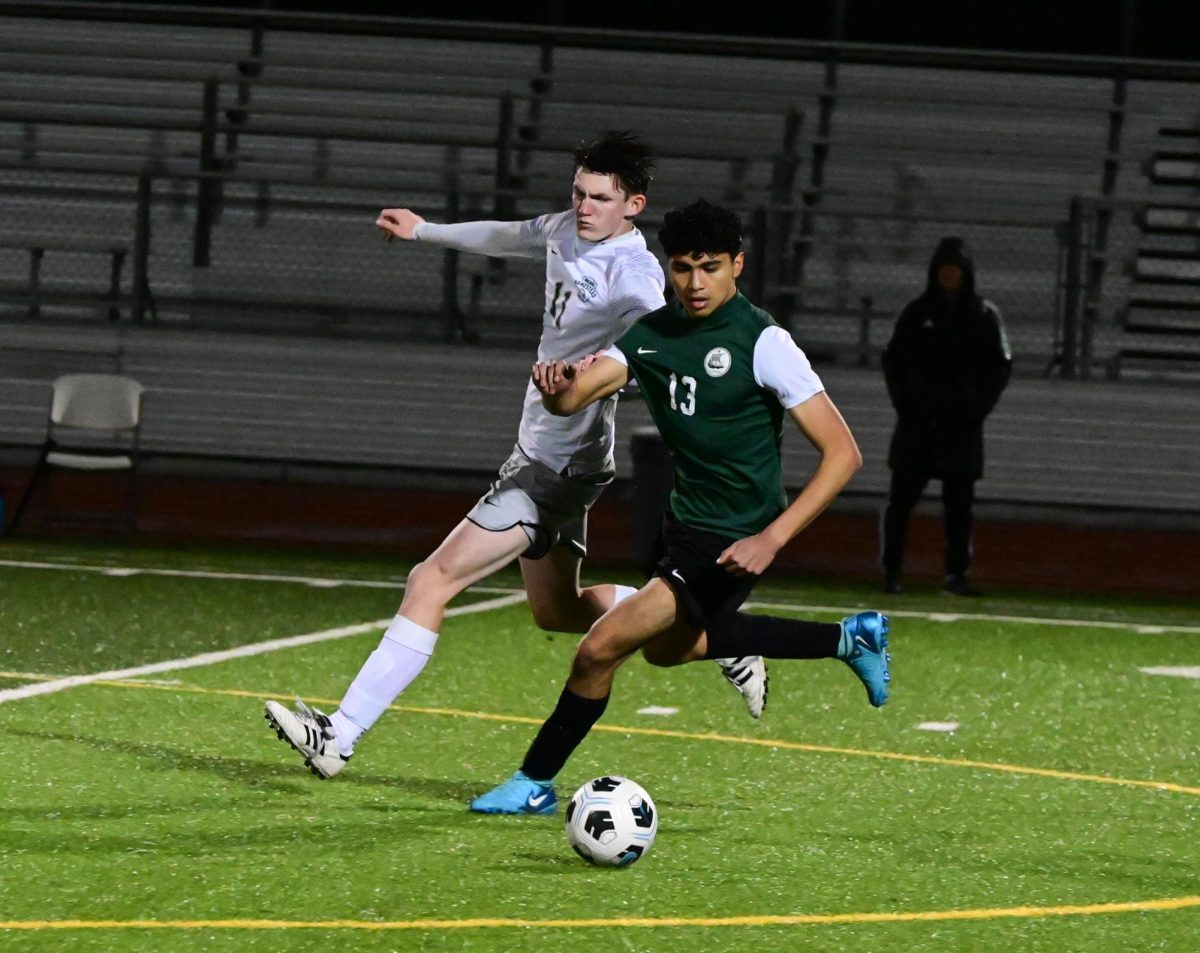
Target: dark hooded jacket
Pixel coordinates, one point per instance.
(946, 365)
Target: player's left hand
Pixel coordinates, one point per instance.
(751, 555)
(398, 223)
(552, 377)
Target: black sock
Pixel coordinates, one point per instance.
(732, 634)
(561, 734)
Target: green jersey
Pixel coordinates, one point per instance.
(717, 388)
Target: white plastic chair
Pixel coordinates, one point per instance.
(94, 424)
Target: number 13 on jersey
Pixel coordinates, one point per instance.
(686, 402)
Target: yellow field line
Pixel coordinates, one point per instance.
(484, 923)
(689, 736)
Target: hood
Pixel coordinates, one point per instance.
(952, 250)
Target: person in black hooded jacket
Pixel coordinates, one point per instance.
(946, 365)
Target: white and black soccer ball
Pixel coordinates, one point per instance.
(611, 821)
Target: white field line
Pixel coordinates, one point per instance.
(242, 651)
(1173, 671)
(315, 581)
(1142, 628)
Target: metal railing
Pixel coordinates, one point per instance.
(661, 42)
(783, 217)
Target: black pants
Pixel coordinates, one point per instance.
(958, 494)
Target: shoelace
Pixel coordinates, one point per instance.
(319, 719)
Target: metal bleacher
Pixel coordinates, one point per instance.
(316, 130)
(303, 163)
(279, 405)
(918, 153)
(291, 335)
(1159, 326)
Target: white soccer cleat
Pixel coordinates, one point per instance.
(748, 674)
(310, 732)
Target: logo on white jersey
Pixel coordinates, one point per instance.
(717, 362)
(587, 288)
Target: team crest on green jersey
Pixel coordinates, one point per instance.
(717, 362)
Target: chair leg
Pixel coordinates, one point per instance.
(132, 505)
(48, 511)
(38, 469)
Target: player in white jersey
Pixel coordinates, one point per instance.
(600, 278)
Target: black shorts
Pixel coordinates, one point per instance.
(689, 566)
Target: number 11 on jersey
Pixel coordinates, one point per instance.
(557, 307)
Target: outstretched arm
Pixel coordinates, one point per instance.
(568, 388)
(398, 223)
(820, 421)
(498, 239)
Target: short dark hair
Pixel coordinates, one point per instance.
(621, 155)
(701, 227)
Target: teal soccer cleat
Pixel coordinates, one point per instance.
(520, 794)
(864, 648)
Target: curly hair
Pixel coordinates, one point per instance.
(701, 227)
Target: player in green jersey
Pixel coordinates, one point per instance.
(718, 376)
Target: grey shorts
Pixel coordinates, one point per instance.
(550, 507)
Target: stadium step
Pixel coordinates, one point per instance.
(1170, 220)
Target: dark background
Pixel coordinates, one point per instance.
(1140, 28)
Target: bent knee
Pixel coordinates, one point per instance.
(424, 575)
(430, 582)
(594, 655)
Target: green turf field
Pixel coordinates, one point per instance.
(157, 811)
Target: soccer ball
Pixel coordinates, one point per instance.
(611, 821)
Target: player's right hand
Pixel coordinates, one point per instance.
(398, 223)
(749, 556)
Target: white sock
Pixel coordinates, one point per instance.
(621, 593)
(345, 732)
(402, 653)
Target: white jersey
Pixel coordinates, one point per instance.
(594, 292)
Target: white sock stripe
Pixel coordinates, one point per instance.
(403, 631)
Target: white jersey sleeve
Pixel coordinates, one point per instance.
(525, 239)
(783, 369)
(638, 288)
(616, 354)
